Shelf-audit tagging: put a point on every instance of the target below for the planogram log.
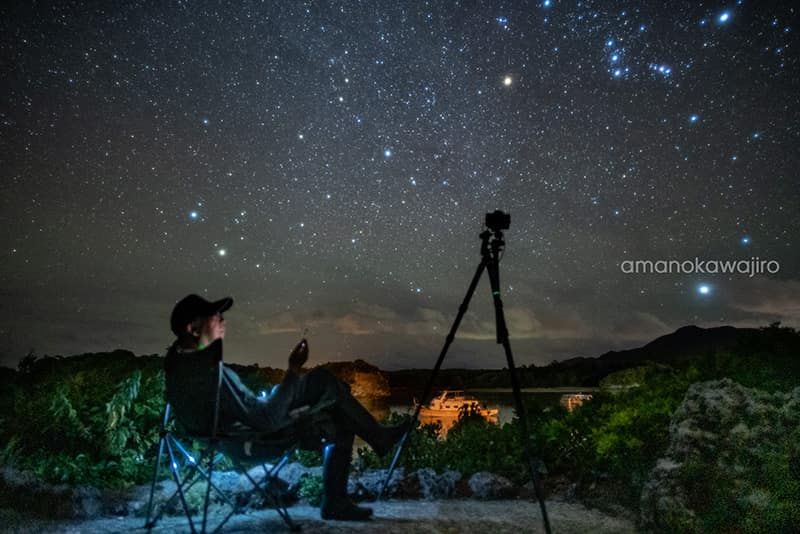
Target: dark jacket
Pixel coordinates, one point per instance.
(191, 380)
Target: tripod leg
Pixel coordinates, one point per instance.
(502, 338)
(429, 386)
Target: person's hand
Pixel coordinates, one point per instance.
(298, 356)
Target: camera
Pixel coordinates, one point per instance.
(498, 220)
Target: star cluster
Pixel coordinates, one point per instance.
(329, 164)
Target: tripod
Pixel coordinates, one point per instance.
(492, 245)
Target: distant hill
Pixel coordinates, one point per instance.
(685, 345)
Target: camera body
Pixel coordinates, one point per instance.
(498, 221)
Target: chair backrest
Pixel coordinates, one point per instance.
(193, 382)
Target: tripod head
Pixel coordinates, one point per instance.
(496, 222)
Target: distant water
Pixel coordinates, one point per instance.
(500, 398)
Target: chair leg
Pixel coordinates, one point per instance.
(269, 477)
(212, 451)
(266, 489)
(147, 524)
(176, 476)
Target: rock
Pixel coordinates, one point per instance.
(433, 486)
(22, 491)
(486, 485)
(139, 496)
(366, 381)
(721, 435)
(291, 473)
(368, 485)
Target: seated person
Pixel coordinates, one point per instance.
(197, 323)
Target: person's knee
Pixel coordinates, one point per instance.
(324, 379)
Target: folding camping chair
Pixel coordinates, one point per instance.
(202, 372)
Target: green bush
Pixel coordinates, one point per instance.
(311, 489)
(91, 419)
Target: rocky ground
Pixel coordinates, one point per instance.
(394, 516)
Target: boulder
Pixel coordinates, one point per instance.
(722, 435)
(368, 484)
(433, 486)
(22, 491)
(485, 485)
(291, 473)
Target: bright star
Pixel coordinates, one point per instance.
(724, 17)
(222, 252)
(704, 289)
(205, 121)
(546, 3)
(694, 118)
(387, 153)
(507, 81)
(745, 240)
(194, 215)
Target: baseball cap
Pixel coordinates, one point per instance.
(193, 307)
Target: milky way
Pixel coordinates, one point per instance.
(329, 167)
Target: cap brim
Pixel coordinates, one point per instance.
(222, 305)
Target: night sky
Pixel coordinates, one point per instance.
(329, 167)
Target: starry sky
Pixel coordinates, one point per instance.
(329, 165)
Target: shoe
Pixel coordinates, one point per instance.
(389, 435)
(345, 510)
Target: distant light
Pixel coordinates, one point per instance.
(746, 240)
(615, 57)
(387, 153)
(694, 118)
(704, 289)
(618, 73)
(205, 121)
(610, 42)
(222, 252)
(546, 3)
(507, 81)
(724, 17)
(194, 215)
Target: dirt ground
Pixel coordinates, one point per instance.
(391, 517)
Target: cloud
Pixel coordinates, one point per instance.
(776, 299)
(363, 319)
(290, 322)
(639, 326)
(370, 319)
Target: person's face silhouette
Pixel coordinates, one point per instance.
(213, 329)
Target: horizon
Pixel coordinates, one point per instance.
(330, 169)
(311, 364)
